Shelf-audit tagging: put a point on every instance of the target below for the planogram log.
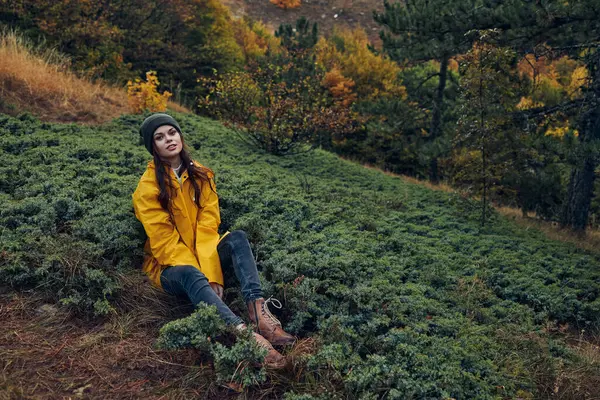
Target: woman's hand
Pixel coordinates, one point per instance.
(217, 288)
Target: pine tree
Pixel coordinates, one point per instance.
(422, 30)
(301, 38)
(581, 183)
(566, 28)
(488, 88)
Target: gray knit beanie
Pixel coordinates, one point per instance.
(152, 123)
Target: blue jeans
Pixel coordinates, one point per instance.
(234, 253)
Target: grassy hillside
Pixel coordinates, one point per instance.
(38, 80)
(402, 292)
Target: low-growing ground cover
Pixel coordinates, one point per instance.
(405, 295)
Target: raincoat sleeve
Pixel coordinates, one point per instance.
(165, 242)
(207, 234)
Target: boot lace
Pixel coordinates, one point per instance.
(277, 304)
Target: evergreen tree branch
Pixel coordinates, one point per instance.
(433, 75)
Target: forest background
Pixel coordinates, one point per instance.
(499, 99)
(492, 98)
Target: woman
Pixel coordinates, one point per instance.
(177, 203)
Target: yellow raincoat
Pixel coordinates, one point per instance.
(191, 240)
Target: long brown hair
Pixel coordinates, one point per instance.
(165, 183)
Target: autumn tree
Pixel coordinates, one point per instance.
(143, 96)
(254, 39)
(349, 52)
(284, 100)
(120, 39)
(572, 29)
(276, 114)
(340, 87)
(285, 4)
(373, 88)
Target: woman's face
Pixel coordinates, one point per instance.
(167, 142)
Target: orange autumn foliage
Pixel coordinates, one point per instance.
(340, 87)
(553, 81)
(373, 75)
(453, 65)
(285, 4)
(254, 38)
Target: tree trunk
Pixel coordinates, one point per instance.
(576, 209)
(436, 117)
(580, 191)
(485, 183)
(579, 196)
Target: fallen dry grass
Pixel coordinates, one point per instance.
(47, 353)
(38, 80)
(171, 105)
(554, 378)
(583, 380)
(590, 241)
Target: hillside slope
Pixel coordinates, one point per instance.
(403, 293)
(328, 14)
(39, 81)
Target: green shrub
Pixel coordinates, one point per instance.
(235, 363)
(403, 290)
(196, 331)
(240, 362)
(67, 219)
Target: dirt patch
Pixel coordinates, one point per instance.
(327, 13)
(47, 354)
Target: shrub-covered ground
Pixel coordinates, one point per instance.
(404, 294)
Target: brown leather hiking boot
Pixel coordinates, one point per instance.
(266, 323)
(273, 359)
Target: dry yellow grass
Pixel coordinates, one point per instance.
(433, 186)
(171, 105)
(590, 241)
(38, 80)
